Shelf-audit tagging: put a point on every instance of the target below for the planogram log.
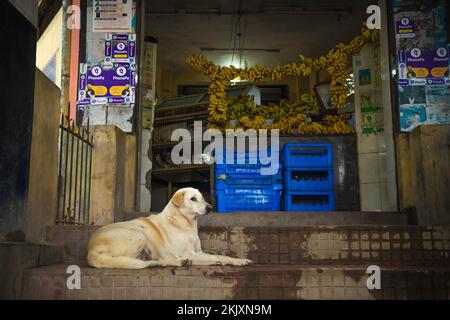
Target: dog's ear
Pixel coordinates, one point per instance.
(178, 198)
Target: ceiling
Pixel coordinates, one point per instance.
(310, 28)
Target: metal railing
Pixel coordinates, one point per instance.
(74, 173)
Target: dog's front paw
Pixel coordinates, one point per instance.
(242, 262)
(186, 263)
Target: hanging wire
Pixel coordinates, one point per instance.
(233, 24)
(244, 32)
(236, 28)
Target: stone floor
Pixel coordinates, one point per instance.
(251, 282)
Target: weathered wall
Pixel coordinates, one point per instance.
(49, 47)
(16, 116)
(130, 183)
(113, 175)
(42, 196)
(424, 173)
(104, 114)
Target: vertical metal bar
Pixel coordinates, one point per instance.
(65, 172)
(61, 145)
(90, 177)
(85, 215)
(72, 128)
(75, 187)
(81, 175)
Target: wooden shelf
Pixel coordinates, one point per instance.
(181, 168)
(182, 174)
(181, 117)
(171, 144)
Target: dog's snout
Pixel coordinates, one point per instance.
(208, 209)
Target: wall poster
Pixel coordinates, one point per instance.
(99, 85)
(423, 63)
(113, 16)
(120, 49)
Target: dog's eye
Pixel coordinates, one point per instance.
(194, 199)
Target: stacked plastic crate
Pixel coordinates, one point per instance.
(308, 177)
(242, 186)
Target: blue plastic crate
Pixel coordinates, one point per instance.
(223, 178)
(248, 198)
(307, 155)
(244, 171)
(240, 158)
(309, 201)
(308, 180)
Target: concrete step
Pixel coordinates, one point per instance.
(15, 257)
(251, 282)
(388, 245)
(288, 219)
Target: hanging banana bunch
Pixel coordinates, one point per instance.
(336, 63)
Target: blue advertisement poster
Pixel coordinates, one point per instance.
(418, 67)
(98, 86)
(405, 28)
(120, 48)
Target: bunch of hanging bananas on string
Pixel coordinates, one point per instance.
(288, 125)
(336, 62)
(287, 117)
(240, 107)
(311, 128)
(252, 123)
(338, 124)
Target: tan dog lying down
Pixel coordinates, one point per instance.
(166, 239)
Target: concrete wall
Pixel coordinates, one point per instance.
(424, 175)
(130, 182)
(375, 150)
(113, 175)
(49, 46)
(95, 52)
(42, 196)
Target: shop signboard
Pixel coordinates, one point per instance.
(120, 49)
(99, 86)
(112, 16)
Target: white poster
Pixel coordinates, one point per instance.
(113, 16)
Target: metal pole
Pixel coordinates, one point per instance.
(90, 178)
(85, 211)
(66, 153)
(77, 158)
(65, 56)
(72, 130)
(81, 175)
(60, 160)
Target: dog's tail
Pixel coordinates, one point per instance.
(104, 260)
